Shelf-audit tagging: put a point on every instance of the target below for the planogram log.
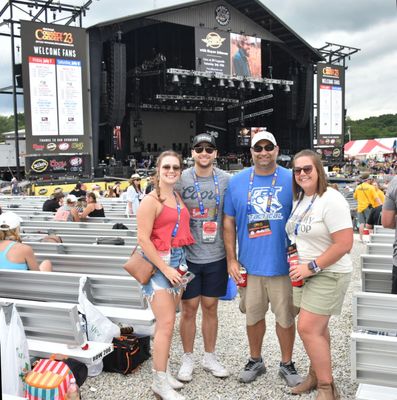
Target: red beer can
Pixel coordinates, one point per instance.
(293, 259)
(182, 269)
(243, 281)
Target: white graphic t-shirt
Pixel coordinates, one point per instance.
(329, 213)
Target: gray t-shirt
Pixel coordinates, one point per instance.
(203, 253)
(391, 204)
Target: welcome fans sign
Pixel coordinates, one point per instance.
(55, 80)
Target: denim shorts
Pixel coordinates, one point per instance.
(159, 281)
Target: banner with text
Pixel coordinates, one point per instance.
(330, 106)
(55, 81)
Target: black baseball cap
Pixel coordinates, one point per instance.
(204, 138)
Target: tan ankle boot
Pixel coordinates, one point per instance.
(309, 383)
(327, 391)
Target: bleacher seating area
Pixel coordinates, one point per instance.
(47, 301)
(374, 336)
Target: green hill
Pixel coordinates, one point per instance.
(373, 127)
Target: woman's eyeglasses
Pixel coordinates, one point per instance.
(268, 147)
(307, 169)
(200, 149)
(173, 167)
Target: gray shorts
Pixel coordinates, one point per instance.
(362, 217)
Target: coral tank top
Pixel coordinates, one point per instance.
(164, 225)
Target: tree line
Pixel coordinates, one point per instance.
(373, 127)
(7, 123)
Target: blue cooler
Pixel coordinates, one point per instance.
(231, 290)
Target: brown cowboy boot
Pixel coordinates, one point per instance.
(309, 383)
(327, 391)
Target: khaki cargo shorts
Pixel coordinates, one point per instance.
(264, 290)
(323, 293)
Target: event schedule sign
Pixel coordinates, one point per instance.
(55, 79)
(330, 106)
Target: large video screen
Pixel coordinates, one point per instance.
(228, 53)
(245, 55)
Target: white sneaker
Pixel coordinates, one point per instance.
(186, 369)
(211, 364)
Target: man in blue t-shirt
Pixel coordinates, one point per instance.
(257, 204)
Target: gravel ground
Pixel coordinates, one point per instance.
(232, 349)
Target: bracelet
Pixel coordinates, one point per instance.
(314, 268)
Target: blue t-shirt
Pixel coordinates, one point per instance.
(264, 255)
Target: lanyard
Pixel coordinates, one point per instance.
(269, 197)
(298, 223)
(178, 209)
(200, 198)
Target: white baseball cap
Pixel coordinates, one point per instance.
(71, 198)
(9, 220)
(263, 135)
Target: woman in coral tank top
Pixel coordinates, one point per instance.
(163, 231)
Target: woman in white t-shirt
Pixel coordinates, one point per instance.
(134, 195)
(320, 225)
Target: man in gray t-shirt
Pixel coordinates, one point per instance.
(202, 188)
(389, 221)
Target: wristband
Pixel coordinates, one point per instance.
(314, 268)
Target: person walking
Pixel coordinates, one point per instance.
(202, 189)
(323, 242)
(257, 204)
(367, 198)
(163, 231)
(389, 211)
(134, 195)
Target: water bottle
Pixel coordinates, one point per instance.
(73, 391)
(293, 259)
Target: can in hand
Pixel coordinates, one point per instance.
(182, 269)
(243, 281)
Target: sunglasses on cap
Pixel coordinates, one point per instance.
(268, 147)
(307, 169)
(200, 149)
(167, 167)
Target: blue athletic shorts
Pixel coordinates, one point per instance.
(210, 280)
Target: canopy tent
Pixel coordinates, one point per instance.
(370, 147)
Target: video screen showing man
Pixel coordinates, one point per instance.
(245, 55)
(244, 137)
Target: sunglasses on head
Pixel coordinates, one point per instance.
(268, 147)
(307, 169)
(200, 149)
(167, 167)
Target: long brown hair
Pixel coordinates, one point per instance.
(11, 234)
(92, 196)
(166, 153)
(322, 179)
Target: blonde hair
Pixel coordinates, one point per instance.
(11, 234)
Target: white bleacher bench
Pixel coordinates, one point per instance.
(99, 265)
(77, 248)
(376, 280)
(375, 311)
(75, 230)
(101, 290)
(381, 238)
(375, 392)
(385, 249)
(376, 261)
(111, 218)
(129, 241)
(381, 229)
(373, 356)
(118, 298)
(100, 226)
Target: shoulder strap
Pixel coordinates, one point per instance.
(7, 249)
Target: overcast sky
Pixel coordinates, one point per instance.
(371, 25)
